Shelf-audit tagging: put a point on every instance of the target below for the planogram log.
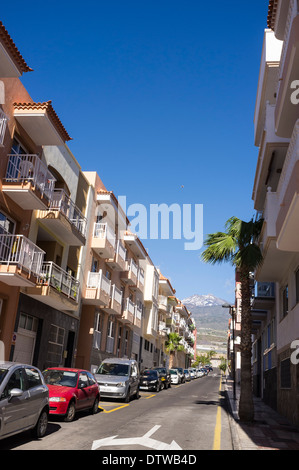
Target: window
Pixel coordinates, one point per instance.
(285, 373)
(28, 323)
(97, 331)
(3, 124)
(83, 379)
(285, 301)
(55, 345)
(17, 380)
(6, 225)
(33, 377)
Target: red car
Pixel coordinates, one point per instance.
(71, 390)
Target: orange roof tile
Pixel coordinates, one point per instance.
(12, 49)
(272, 8)
(46, 106)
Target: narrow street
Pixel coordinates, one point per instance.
(189, 416)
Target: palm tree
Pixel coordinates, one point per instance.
(172, 345)
(238, 245)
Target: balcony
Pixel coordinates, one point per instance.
(20, 260)
(64, 219)
(28, 182)
(103, 240)
(163, 330)
(264, 296)
(115, 304)
(98, 289)
(287, 112)
(139, 286)
(287, 223)
(56, 288)
(267, 83)
(118, 261)
(128, 314)
(130, 276)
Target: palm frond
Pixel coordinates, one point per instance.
(220, 248)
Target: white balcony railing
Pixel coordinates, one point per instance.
(132, 266)
(121, 251)
(56, 277)
(104, 231)
(3, 124)
(116, 294)
(141, 276)
(138, 312)
(18, 250)
(98, 281)
(29, 168)
(129, 306)
(61, 202)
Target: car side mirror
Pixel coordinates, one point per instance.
(15, 392)
(82, 385)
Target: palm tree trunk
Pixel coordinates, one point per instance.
(246, 407)
(171, 359)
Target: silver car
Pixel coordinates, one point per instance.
(118, 378)
(24, 400)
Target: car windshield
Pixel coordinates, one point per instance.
(174, 372)
(64, 378)
(149, 373)
(3, 373)
(163, 371)
(113, 369)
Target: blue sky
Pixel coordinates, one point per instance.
(156, 95)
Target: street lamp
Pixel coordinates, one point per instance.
(232, 313)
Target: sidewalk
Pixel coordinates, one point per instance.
(269, 431)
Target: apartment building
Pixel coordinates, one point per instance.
(42, 228)
(112, 284)
(275, 195)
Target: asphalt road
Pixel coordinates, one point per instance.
(190, 416)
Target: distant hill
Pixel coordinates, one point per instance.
(208, 312)
(211, 320)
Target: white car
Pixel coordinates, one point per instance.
(174, 376)
(192, 374)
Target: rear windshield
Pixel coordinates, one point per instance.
(113, 369)
(174, 372)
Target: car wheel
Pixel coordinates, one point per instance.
(95, 406)
(40, 428)
(127, 399)
(70, 413)
(137, 396)
(158, 388)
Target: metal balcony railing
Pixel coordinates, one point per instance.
(29, 168)
(98, 281)
(56, 277)
(18, 250)
(62, 202)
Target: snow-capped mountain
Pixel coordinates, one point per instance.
(208, 300)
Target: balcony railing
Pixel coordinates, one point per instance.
(116, 294)
(104, 231)
(18, 250)
(3, 124)
(138, 312)
(121, 251)
(98, 281)
(61, 202)
(63, 282)
(132, 266)
(129, 306)
(265, 289)
(29, 168)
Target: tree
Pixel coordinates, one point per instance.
(238, 245)
(172, 345)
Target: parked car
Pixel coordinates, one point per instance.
(150, 380)
(165, 376)
(181, 374)
(201, 373)
(204, 370)
(192, 373)
(187, 375)
(24, 400)
(71, 390)
(210, 368)
(118, 378)
(174, 376)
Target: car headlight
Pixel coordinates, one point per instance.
(57, 399)
(152, 381)
(121, 384)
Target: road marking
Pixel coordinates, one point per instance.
(217, 433)
(151, 396)
(114, 409)
(145, 441)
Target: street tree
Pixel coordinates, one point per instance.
(238, 245)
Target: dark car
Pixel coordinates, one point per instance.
(165, 376)
(151, 380)
(71, 390)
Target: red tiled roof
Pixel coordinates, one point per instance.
(13, 51)
(272, 8)
(46, 106)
